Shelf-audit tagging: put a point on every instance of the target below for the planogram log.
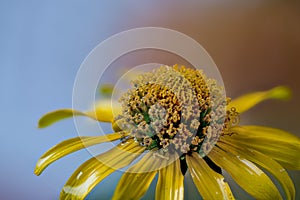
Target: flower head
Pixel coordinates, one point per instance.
(181, 122)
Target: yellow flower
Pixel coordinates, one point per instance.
(180, 121)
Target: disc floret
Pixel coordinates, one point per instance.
(176, 109)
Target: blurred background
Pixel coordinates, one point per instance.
(255, 44)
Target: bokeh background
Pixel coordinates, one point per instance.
(255, 44)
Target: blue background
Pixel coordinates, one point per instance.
(255, 44)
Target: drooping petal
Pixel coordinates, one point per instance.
(247, 101)
(57, 115)
(170, 182)
(136, 180)
(69, 146)
(280, 145)
(210, 184)
(267, 163)
(89, 174)
(246, 174)
(104, 111)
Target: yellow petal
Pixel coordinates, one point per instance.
(89, 174)
(246, 174)
(105, 110)
(210, 184)
(136, 180)
(106, 89)
(69, 146)
(58, 115)
(280, 145)
(247, 101)
(170, 182)
(115, 126)
(267, 163)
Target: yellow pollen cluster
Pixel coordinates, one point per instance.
(175, 109)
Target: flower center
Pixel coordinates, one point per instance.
(175, 109)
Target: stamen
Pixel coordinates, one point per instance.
(176, 109)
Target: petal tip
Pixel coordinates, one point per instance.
(41, 124)
(37, 171)
(281, 92)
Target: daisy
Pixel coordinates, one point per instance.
(175, 121)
